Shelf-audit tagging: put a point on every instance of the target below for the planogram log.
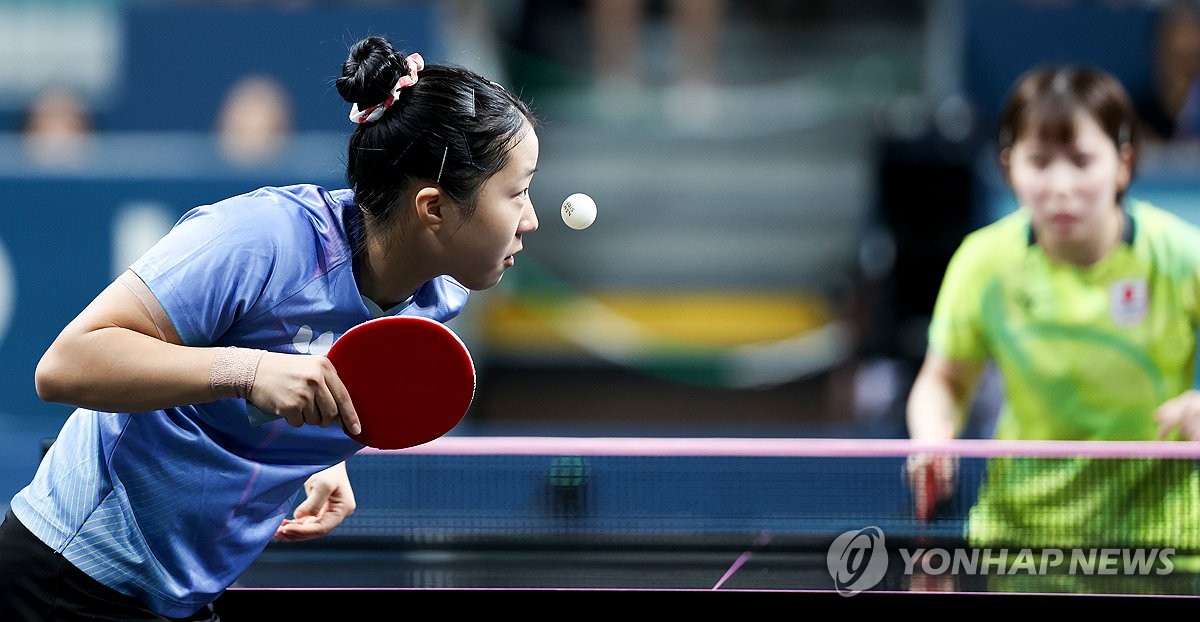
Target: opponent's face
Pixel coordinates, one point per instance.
(484, 246)
(1070, 189)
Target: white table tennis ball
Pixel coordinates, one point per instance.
(579, 211)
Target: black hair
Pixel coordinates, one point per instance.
(452, 127)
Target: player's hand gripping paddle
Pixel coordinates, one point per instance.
(931, 479)
(925, 491)
(411, 379)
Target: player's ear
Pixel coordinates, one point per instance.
(1005, 160)
(1125, 166)
(430, 204)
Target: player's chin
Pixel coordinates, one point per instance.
(486, 280)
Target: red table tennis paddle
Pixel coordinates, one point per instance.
(932, 480)
(926, 493)
(411, 379)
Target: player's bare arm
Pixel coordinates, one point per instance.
(1180, 417)
(113, 356)
(937, 408)
(940, 396)
(120, 354)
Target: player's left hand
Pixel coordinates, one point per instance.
(1181, 413)
(330, 500)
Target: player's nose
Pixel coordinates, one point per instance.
(529, 219)
(1061, 177)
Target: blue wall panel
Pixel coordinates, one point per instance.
(180, 61)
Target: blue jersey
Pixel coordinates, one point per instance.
(171, 506)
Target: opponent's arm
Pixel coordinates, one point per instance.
(940, 397)
(1180, 417)
(937, 407)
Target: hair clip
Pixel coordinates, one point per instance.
(445, 152)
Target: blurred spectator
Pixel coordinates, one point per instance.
(1177, 66)
(254, 124)
(56, 128)
(619, 63)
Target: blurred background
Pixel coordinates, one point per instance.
(780, 182)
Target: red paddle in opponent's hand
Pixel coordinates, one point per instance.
(925, 492)
(932, 479)
(411, 379)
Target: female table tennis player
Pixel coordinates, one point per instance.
(1088, 302)
(159, 491)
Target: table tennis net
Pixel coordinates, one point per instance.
(705, 492)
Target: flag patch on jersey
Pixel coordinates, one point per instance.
(1128, 301)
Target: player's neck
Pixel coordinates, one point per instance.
(388, 273)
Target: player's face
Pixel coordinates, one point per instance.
(1070, 189)
(485, 245)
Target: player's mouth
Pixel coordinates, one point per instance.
(511, 259)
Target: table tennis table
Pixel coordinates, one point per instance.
(627, 521)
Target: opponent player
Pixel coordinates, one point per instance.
(159, 491)
(1088, 302)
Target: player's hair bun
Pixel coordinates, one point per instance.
(370, 71)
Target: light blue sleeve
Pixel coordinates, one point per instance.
(213, 266)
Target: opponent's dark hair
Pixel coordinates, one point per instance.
(453, 127)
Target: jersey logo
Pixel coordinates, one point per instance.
(1128, 301)
(305, 343)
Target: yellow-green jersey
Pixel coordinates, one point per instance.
(1085, 353)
